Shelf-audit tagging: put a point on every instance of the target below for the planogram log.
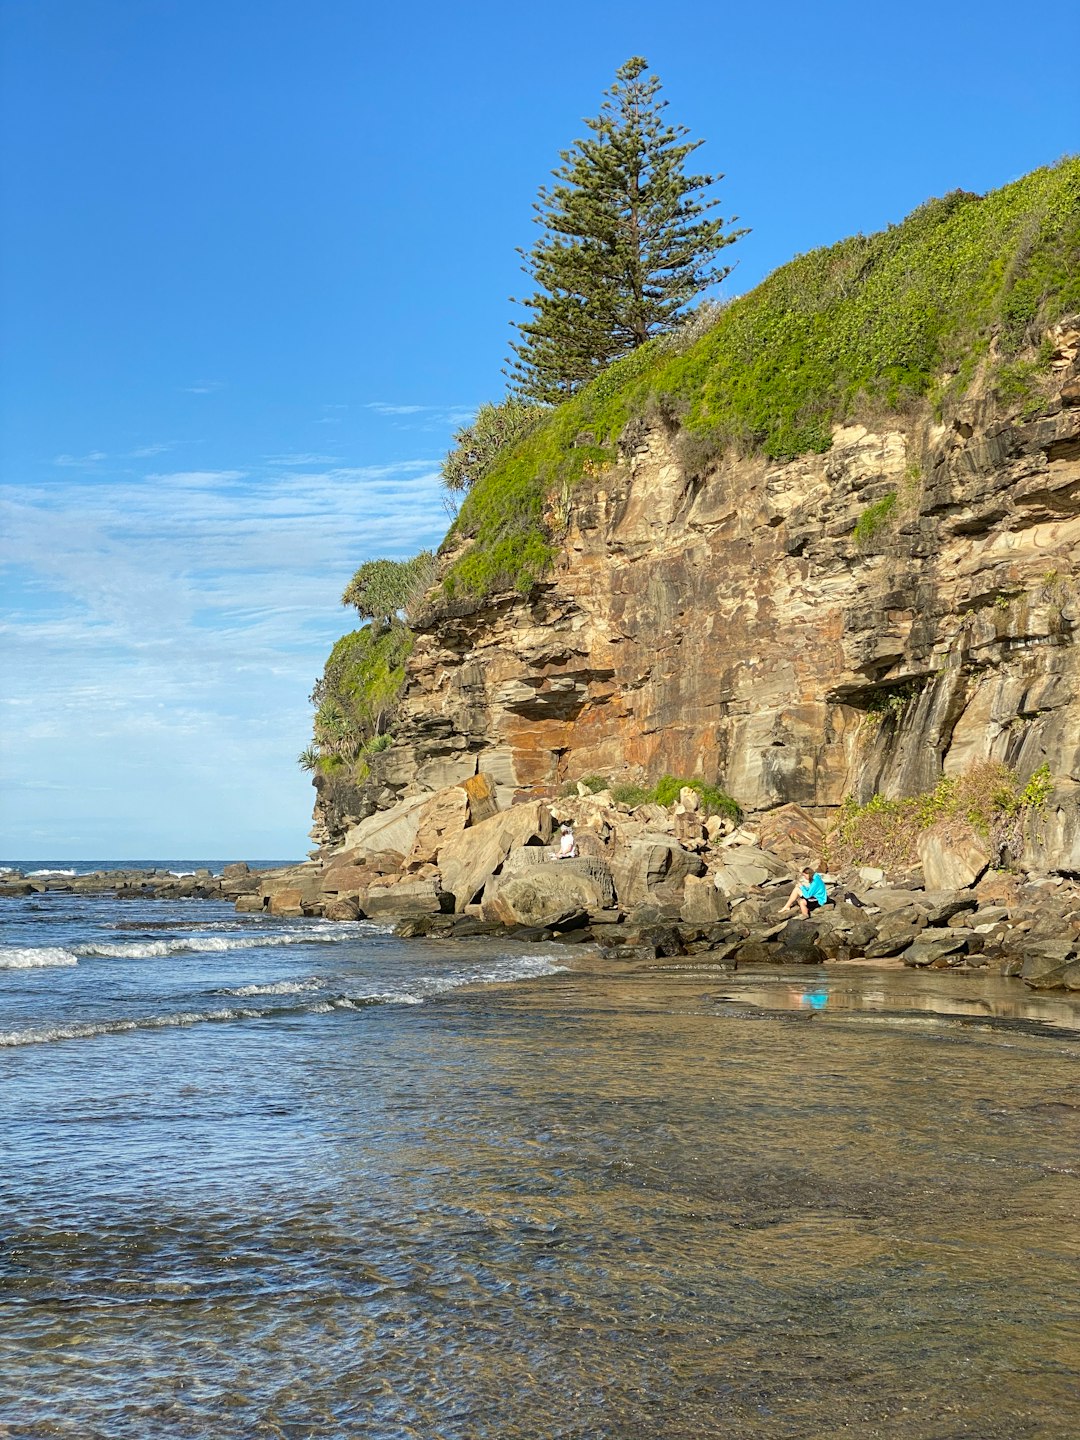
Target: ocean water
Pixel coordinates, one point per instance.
(295, 1178)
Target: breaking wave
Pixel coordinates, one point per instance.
(216, 944)
(19, 957)
(275, 987)
(523, 967)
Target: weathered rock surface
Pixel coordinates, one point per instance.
(952, 864)
(543, 895)
(654, 866)
(468, 860)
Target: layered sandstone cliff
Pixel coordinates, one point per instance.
(737, 622)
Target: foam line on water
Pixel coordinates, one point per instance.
(502, 971)
(30, 957)
(217, 944)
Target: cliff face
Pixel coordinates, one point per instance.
(787, 629)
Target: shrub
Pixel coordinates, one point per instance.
(874, 519)
(357, 691)
(630, 794)
(478, 445)
(987, 798)
(713, 800)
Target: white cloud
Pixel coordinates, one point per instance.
(204, 387)
(81, 462)
(164, 632)
(301, 459)
(433, 416)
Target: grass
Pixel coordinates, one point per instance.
(873, 520)
(896, 319)
(989, 799)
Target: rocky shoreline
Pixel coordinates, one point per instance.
(654, 881)
(136, 884)
(648, 882)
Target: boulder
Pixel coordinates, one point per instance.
(793, 834)
(931, 951)
(655, 863)
(394, 829)
(409, 895)
(548, 895)
(1070, 976)
(1045, 962)
(799, 944)
(342, 879)
(702, 902)
(413, 927)
(443, 814)
(896, 932)
(940, 908)
(345, 907)
(746, 867)
(250, 904)
(661, 941)
(468, 860)
(483, 797)
(286, 902)
(952, 864)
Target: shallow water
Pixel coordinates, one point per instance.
(675, 1202)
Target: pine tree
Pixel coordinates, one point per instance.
(627, 242)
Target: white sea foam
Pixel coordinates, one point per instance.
(19, 957)
(216, 944)
(50, 872)
(276, 987)
(500, 971)
(117, 1027)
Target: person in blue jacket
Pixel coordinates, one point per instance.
(809, 893)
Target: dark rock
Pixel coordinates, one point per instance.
(799, 943)
(1045, 962)
(933, 951)
(943, 912)
(469, 926)
(757, 952)
(661, 940)
(413, 926)
(572, 937)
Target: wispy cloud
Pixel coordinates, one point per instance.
(303, 458)
(426, 417)
(198, 479)
(81, 462)
(204, 387)
(163, 630)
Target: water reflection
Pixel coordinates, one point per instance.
(903, 992)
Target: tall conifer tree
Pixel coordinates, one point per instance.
(627, 242)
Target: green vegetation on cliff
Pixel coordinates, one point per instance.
(880, 321)
(988, 798)
(355, 695)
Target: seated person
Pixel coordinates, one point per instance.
(809, 893)
(567, 844)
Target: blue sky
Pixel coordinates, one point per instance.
(256, 261)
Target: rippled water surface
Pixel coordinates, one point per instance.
(321, 1188)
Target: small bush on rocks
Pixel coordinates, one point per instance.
(988, 799)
